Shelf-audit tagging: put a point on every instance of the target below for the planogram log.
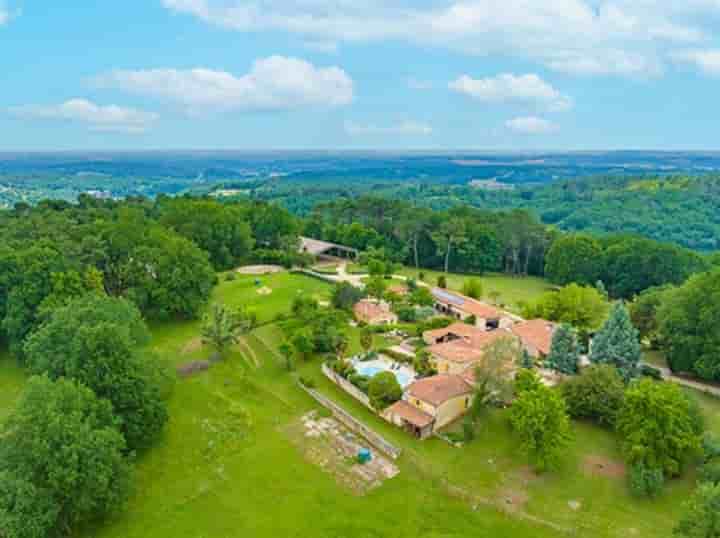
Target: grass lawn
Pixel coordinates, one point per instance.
(512, 290)
(225, 466)
(12, 379)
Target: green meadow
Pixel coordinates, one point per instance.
(226, 466)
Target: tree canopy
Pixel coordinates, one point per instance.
(95, 341)
(61, 447)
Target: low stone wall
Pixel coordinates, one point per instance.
(355, 425)
(348, 387)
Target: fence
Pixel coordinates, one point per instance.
(348, 387)
(354, 424)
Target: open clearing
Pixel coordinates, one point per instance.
(227, 467)
(511, 291)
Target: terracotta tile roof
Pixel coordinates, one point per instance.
(412, 414)
(467, 351)
(537, 332)
(466, 304)
(398, 289)
(459, 329)
(368, 311)
(439, 389)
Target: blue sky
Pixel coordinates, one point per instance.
(347, 74)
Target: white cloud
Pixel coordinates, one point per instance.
(625, 37)
(531, 125)
(4, 17)
(405, 128)
(708, 61)
(506, 88)
(276, 82)
(109, 118)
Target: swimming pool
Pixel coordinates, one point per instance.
(403, 374)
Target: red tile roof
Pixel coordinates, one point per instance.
(368, 311)
(537, 333)
(466, 304)
(439, 389)
(412, 414)
(467, 351)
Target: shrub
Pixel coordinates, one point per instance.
(421, 276)
(596, 394)
(526, 380)
(407, 314)
(710, 447)
(646, 481)
(362, 382)
(384, 390)
(442, 282)
(700, 518)
(710, 472)
(231, 277)
(650, 371)
(424, 312)
(472, 288)
(307, 382)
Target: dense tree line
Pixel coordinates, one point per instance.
(625, 264)
(461, 239)
(161, 255)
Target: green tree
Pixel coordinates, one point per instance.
(95, 341)
(596, 394)
(220, 229)
(618, 343)
(493, 375)
(421, 296)
(564, 354)
(62, 443)
(223, 328)
(25, 511)
(366, 340)
(450, 233)
(376, 287)
(473, 288)
(574, 258)
(644, 310)
(581, 307)
(345, 296)
(384, 390)
(540, 419)
(302, 344)
(688, 322)
(702, 514)
(657, 426)
(526, 379)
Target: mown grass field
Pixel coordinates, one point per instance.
(225, 466)
(512, 291)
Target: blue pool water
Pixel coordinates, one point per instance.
(372, 368)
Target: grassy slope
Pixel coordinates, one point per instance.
(212, 475)
(206, 478)
(513, 291)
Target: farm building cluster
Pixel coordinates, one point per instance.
(430, 403)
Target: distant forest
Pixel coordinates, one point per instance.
(665, 196)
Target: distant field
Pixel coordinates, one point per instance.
(512, 290)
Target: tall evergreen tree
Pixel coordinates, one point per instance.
(618, 343)
(565, 351)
